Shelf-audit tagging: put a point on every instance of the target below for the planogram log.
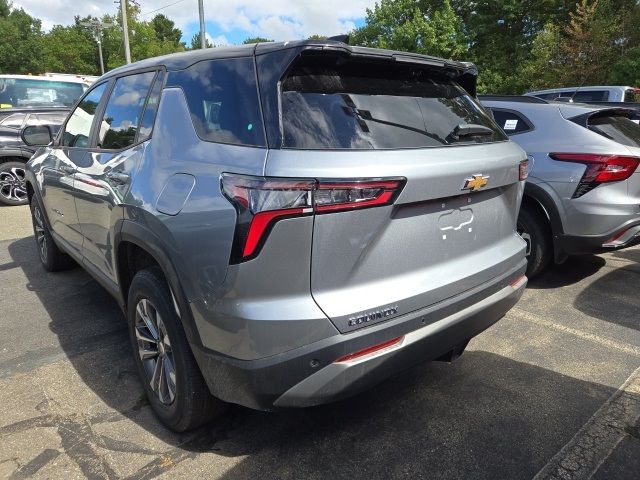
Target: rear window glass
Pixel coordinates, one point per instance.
(223, 100)
(617, 128)
(330, 103)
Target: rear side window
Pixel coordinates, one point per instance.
(14, 120)
(150, 109)
(584, 96)
(330, 102)
(511, 122)
(632, 95)
(223, 100)
(78, 127)
(617, 128)
(122, 115)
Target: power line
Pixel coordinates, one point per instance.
(162, 8)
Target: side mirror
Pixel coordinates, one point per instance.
(37, 135)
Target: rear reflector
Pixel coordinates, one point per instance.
(524, 169)
(518, 282)
(261, 201)
(373, 351)
(600, 168)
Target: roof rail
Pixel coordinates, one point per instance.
(512, 98)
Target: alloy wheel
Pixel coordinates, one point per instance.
(154, 349)
(13, 185)
(41, 238)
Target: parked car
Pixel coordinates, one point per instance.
(583, 191)
(14, 153)
(588, 94)
(286, 245)
(29, 100)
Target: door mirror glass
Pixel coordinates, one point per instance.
(37, 135)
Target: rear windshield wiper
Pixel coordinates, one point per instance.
(470, 130)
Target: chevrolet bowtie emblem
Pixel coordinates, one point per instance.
(475, 183)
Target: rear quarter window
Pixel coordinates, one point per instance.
(591, 96)
(511, 122)
(617, 128)
(223, 100)
(329, 102)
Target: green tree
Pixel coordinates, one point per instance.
(195, 42)
(71, 49)
(246, 41)
(626, 71)
(20, 41)
(166, 30)
(413, 26)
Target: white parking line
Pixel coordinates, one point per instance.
(581, 457)
(607, 342)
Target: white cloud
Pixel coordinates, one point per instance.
(217, 41)
(277, 19)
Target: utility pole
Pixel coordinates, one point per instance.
(125, 30)
(203, 43)
(97, 26)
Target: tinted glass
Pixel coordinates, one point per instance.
(223, 100)
(149, 115)
(78, 127)
(27, 92)
(618, 129)
(122, 115)
(595, 96)
(510, 122)
(47, 118)
(632, 95)
(330, 103)
(14, 120)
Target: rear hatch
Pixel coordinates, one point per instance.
(452, 225)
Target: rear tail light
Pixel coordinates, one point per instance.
(524, 169)
(261, 201)
(600, 168)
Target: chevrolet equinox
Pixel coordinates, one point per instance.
(284, 224)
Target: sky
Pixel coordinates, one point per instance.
(226, 22)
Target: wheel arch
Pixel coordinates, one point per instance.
(535, 197)
(138, 247)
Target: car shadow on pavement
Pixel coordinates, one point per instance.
(575, 269)
(485, 416)
(613, 297)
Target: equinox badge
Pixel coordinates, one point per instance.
(475, 183)
(371, 316)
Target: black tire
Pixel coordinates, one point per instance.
(534, 228)
(52, 258)
(13, 189)
(191, 404)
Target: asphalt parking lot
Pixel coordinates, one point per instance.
(551, 391)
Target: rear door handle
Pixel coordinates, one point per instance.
(118, 177)
(68, 169)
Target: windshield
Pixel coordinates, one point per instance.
(337, 103)
(27, 92)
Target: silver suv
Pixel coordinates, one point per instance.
(583, 192)
(284, 224)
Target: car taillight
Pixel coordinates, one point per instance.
(261, 201)
(600, 168)
(524, 169)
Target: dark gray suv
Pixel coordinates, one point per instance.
(284, 224)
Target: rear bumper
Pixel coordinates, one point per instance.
(624, 236)
(309, 375)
